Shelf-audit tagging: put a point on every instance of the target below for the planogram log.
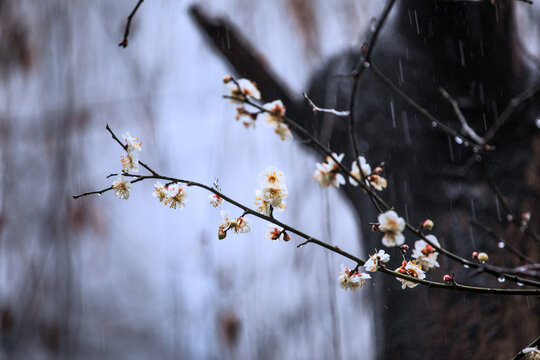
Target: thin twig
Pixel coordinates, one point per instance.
(420, 109)
(331, 111)
(514, 104)
(499, 239)
(357, 75)
(465, 128)
(124, 42)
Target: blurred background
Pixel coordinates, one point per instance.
(102, 278)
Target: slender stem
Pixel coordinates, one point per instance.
(320, 109)
(420, 109)
(465, 128)
(124, 42)
(514, 104)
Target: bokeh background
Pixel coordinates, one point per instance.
(102, 278)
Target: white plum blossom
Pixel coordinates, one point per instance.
(121, 187)
(413, 269)
(238, 225)
(272, 192)
(283, 131)
(328, 173)
(247, 88)
(375, 260)
(271, 175)
(248, 118)
(355, 171)
(377, 181)
(160, 191)
(130, 162)
(215, 200)
(352, 281)
(131, 142)
(263, 205)
(276, 233)
(531, 350)
(176, 196)
(425, 254)
(392, 225)
(276, 112)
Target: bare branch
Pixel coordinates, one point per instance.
(331, 111)
(465, 128)
(124, 42)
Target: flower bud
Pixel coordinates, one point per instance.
(428, 224)
(475, 254)
(526, 216)
(378, 170)
(448, 278)
(375, 227)
(286, 236)
(227, 79)
(221, 234)
(483, 257)
(404, 247)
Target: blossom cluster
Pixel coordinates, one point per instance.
(173, 195)
(130, 163)
(352, 280)
(238, 225)
(327, 174)
(272, 192)
(412, 269)
(273, 113)
(376, 260)
(373, 178)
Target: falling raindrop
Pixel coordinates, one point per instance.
(367, 64)
(500, 244)
(465, 266)
(509, 217)
(458, 140)
(501, 279)
(498, 208)
(519, 284)
(393, 114)
(434, 124)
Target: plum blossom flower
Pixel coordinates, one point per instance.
(215, 200)
(131, 142)
(283, 131)
(375, 260)
(176, 196)
(121, 187)
(276, 233)
(392, 225)
(272, 192)
(328, 173)
(425, 254)
(272, 176)
(130, 162)
(263, 205)
(276, 112)
(377, 181)
(352, 281)
(355, 171)
(410, 268)
(248, 118)
(238, 225)
(160, 191)
(244, 88)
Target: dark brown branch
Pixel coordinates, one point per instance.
(499, 239)
(465, 128)
(514, 104)
(124, 42)
(357, 75)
